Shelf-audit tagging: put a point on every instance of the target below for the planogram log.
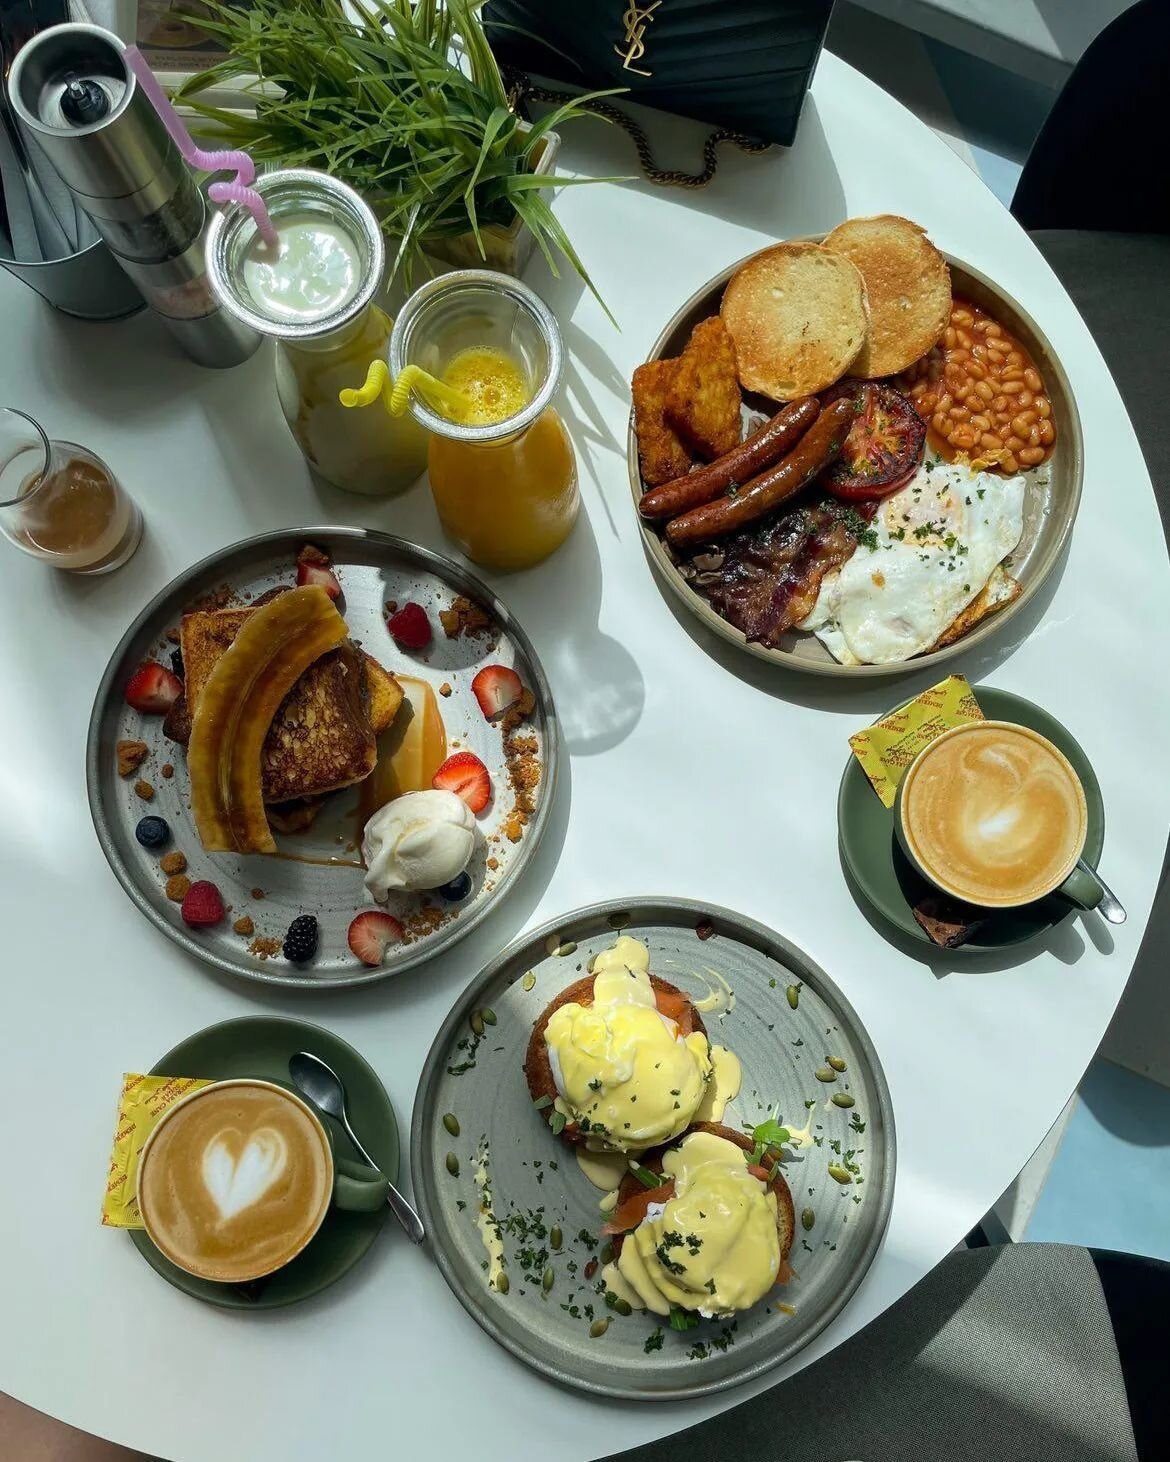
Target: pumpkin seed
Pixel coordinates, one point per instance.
(623, 1307)
(599, 1327)
(807, 1218)
(841, 1099)
(477, 1022)
(528, 981)
(451, 1122)
(452, 1164)
(606, 1254)
(839, 1174)
(837, 1063)
(825, 1073)
(548, 1279)
(569, 947)
(793, 994)
(489, 1018)
(555, 1237)
(502, 1285)
(618, 921)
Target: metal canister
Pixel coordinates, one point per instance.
(71, 88)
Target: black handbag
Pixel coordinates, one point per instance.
(742, 65)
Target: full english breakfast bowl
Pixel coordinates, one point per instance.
(906, 468)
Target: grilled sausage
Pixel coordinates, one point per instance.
(819, 446)
(772, 440)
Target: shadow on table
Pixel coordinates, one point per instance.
(1132, 1107)
(1066, 941)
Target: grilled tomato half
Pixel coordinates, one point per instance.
(885, 443)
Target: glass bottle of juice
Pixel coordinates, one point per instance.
(504, 475)
(314, 294)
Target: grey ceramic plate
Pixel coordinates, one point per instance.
(533, 1173)
(372, 568)
(1050, 504)
(261, 1046)
(878, 870)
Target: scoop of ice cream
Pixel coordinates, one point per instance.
(420, 840)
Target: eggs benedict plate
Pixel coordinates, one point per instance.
(719, 1231)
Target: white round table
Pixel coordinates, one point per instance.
(694, 771)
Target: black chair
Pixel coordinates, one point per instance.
(1025, 1353)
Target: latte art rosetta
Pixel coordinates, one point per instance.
(238, 1172)
(995, 814)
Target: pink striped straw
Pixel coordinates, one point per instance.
(234, 191)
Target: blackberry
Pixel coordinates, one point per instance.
(457, 889)
(177, 663)
(300, 943)
(153, 832)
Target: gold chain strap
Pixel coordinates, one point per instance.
(522, 89)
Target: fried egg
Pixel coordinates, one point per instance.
(929, 551)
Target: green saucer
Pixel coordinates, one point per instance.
(878, 870)
(261, 1046)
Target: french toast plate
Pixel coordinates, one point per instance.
(1050, 501)
(318, 871)
(474, 1075)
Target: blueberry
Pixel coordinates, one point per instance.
(153, 832)
(457, 889)
(300, 943)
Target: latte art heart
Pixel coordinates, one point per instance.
(238, 1173)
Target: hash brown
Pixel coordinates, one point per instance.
(703, 398)
(661, 453)
(907, 290)
(797, 318)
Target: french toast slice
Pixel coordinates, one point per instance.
(323, 734)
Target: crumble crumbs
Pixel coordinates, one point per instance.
(257, 893)
(143, 789)
(171, 863)
(425, 921)
(264, 948)
(177, 888)
(465, 618)
(167, 771)
(244, 926)
(518, 712)
(523, 763)
(493, 863)
(131, 755)
(445, 688)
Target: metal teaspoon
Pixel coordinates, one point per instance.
(322, 1085)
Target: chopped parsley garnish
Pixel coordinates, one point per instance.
(595, 1084)
(653, 1341)
(646, 1177)
(681, 1319)
(768, 1137)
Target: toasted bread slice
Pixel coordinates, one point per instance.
(796, 315)
(661, 454)
(702, 399)
(322, 736)
(631, 1185)
(538, 1068)
(907, 289)
(999, 591)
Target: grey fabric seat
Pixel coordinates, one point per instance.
(999, 1355)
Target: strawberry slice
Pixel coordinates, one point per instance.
(496, 688)
(313, 567)
(410, 627)
(202, 906)
(370, 933)
(466, 776)
(631, 1211)
(153, 689)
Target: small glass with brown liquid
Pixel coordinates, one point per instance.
(60, 503)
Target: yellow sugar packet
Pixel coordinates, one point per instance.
(143, 1101)
(887, 748)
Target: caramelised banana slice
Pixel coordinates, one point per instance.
(272, 650)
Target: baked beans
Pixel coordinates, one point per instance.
(981, 394)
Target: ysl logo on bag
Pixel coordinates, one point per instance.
(633, 47)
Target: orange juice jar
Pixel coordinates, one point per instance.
(503, 476)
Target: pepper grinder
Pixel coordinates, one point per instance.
(72, 90)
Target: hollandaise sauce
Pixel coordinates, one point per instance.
(712, 1246)
(625, 1071)
(489, 1228)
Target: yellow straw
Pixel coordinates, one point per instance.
(396, 397)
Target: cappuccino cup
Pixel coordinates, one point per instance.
(993, 813)
(237, 1177)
